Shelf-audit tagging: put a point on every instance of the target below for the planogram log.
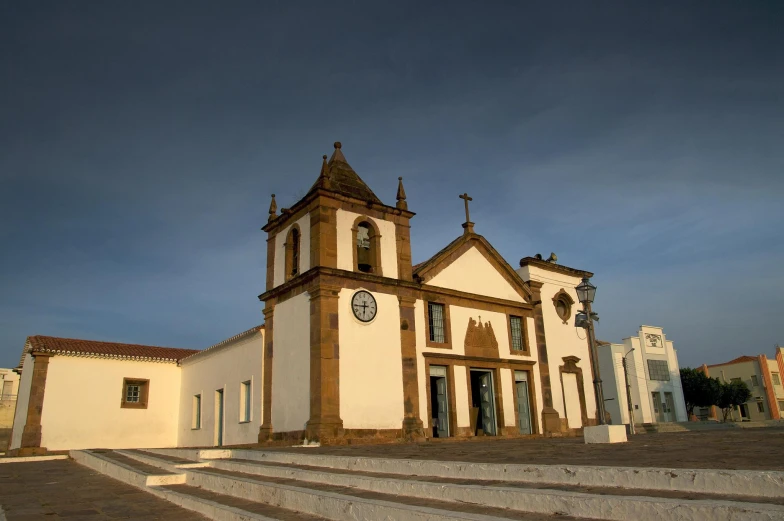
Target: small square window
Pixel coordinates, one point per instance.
(754, 381)
(781, 406)
(245, 401)
(135, 392)
(775, 378)
(760, 407)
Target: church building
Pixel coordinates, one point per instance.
(357, 343)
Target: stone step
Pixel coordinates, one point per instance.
(125, 469)
(168, 463)
(171, 487)
(759, 484)
(596, 503)
(224, 507)
(340, 502)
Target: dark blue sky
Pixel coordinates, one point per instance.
(140, 141)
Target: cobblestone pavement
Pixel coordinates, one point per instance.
(745, 449)
(62, 489)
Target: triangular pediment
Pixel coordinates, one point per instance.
(471, 265)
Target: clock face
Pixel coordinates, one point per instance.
(364, 306)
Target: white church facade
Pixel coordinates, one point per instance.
(357, 344)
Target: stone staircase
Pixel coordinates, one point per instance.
(239, 484)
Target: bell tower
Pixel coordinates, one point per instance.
(339, 235)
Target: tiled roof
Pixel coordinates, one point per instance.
(77, 347)
(223, 343)
(739, 360)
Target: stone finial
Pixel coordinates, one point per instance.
(401, 195)
(273, 210)
(323, 166)
(337, 155)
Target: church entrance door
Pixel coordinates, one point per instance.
(523, 403)
(439, 402)
(219, 417)
(483, 399)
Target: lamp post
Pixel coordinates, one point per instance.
(584, 319)
(628, 392)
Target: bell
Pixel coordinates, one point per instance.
(363, 259)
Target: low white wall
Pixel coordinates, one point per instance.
(291, 365)
(224, 367)
(22, 401)
(371, 367)
(82, 404)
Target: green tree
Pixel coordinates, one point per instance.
(733, 394)
(699, 390)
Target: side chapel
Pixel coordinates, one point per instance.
(357, 343)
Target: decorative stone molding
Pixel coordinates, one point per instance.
(563, 297)
(570, 366)
(480, 339)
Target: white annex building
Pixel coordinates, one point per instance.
(357, 342)
(653, 377)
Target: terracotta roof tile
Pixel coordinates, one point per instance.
(77, 347)
(739, 360)
(239, 336)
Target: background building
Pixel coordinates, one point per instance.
(763, 378)
(9, 386)
(654, 378)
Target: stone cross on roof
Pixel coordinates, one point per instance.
(468, 226)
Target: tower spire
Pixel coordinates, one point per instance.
(401, 195)
(273, 209)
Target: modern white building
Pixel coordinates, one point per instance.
(653, 377)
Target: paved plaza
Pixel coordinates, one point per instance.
(739, 449)
(62, 489)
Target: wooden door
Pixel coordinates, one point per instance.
(487, 403)
(523, 409)
(443, 408)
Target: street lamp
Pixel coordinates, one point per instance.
(584, 319)
(586, 291)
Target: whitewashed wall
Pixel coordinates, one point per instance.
(223, 367)
(291, 364)
(279, 275)
(22, 401)
(345, 222)
(459, 317)
(563, 339)
(82, 404)
(371, 370)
